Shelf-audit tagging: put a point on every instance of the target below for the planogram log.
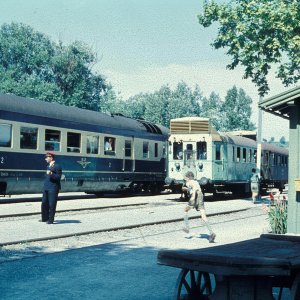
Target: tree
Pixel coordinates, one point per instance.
(184, 102)
(259, 34)
(237, 109)
(31, 65)
(282, 140)
(212, 108)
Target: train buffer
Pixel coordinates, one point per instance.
(244, 270)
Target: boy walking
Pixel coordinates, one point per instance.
(196, 201)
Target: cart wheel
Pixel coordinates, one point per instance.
(193, 285)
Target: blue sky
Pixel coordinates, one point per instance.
(143, 44)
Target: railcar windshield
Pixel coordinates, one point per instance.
(201, 150)
(5, 135)
(177, 151)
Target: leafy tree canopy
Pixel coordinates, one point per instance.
(31, 65)
(237, 109)
(259, 34)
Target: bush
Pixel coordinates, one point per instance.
(278, 217)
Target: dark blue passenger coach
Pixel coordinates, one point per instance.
(98, 152)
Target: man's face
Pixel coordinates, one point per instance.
(48, 159)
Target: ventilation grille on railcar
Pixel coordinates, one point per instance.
(150, 127)
(190, 126)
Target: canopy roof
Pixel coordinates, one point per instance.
(280, 104)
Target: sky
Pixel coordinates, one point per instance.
(144, 44)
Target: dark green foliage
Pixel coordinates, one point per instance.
(258, 34)
(31, 65)
(278, 217)
(237, 110)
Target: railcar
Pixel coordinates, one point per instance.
(136, 159)
(221, 162)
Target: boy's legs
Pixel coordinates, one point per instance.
(212, 235)
(186, 227)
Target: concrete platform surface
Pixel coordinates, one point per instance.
(15, 231)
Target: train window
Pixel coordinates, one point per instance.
(233, 154)
(145, 149)
(244, 154)
(156, 150)
(250, 155)
(5, 135)
(218, 151)
(201, 150)
(238, 154)
(73, 142)
(255, 155)
(127, 148)
(52, 140)
(109, 145)
(92, 144)
(278, 160)
(28, 138)
(177, 150)
(267, 157)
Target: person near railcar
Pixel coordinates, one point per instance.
(51, 188)
(196, 201)
(254, 183)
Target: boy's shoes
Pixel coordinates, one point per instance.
(212, 237)
(186, 229)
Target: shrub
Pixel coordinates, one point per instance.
(278, 217)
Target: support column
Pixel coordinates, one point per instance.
(293, 220)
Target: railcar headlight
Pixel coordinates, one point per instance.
(177, 165)
(200, 167)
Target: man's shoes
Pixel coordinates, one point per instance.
(186, 229)
(212, 237)
(43, 220)
(50, 222)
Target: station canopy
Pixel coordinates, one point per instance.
(280, 104)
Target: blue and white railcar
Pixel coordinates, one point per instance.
(136, 158)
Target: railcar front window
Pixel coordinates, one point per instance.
(201, 150)
(5, 135)
(52, 140)
(177, 151)
(28, 138)
(92, 144)
(127, 148)
(238, 154)
(145, 149)
(73, 142)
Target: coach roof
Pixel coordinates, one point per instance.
(28, 106)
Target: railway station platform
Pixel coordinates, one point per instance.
(14, 231)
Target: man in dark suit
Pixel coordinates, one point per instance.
(51, 188)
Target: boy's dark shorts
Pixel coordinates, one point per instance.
(198, 202)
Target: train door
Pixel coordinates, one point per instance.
(217, 158)
(128, 155)
(189, 158)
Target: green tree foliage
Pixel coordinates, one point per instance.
(31, 65)
(259, 34)
(237, 109)
(184, 102)
(212, 108)
(164, 104)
